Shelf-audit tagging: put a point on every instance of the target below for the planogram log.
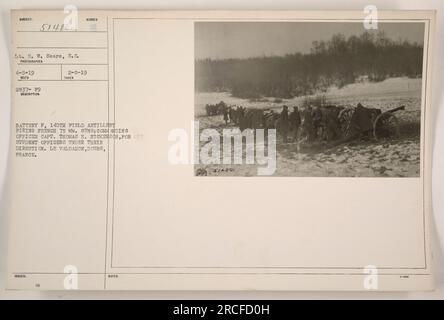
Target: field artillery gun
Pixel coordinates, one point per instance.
(355, 122)
(387, 124)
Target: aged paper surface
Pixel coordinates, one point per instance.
(122, 177)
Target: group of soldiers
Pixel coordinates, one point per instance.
(313, 123)
(216, 109)
(310, 122)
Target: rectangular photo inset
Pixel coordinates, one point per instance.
(308, 99)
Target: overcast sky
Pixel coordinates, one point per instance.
(221, 40)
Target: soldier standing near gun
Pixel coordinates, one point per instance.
(284, 124)
(295, 122)
(317, 122)
(307, 124)
(225, 112)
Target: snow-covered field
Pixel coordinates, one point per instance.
(391, 157)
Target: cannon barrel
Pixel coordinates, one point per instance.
(395, 109)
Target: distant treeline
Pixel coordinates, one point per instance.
(336, 62)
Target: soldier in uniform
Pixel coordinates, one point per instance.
(331, 124)
(231, 114)
(284, 123)
(317, 121)
(225, 111)
(295, 122)
(307, 125)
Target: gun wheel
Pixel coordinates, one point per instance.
(386, 125)
(344, 120)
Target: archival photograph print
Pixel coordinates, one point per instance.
(308, 99)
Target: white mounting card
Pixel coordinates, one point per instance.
(220, 150)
